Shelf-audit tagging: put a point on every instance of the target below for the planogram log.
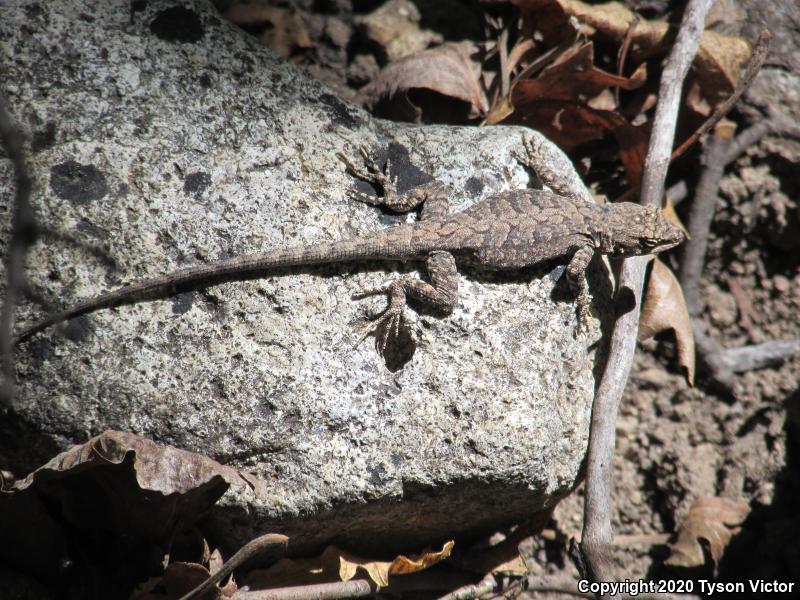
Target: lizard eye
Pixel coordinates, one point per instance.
(649, 242)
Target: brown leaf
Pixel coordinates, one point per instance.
(664, 308)
(215, 563)
(280, 28)
(716, 66)
(337, 564)
(411, 564)
(564, 103)
(394, 26)
(712, 519)
(379, 571)
(428, 84)
(125, 485)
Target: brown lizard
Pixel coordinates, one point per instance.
(506, 230)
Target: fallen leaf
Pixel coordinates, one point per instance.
(337, 564)
(289, 572)
(717, 64)
(394, 26)
(429, 86)
(281, 29)
(379, 571)
(131, 489)
(573, 76)
(411, 564)
(713, 519)
(664, 308)
(566, 103)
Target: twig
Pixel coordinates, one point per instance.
(270, 542)
(597, 535)
(753, 67)
(622, 55)
(23, 234)
(505, 75)
(700, 217)
(747, 314)
(469, 592)
(724, 363)
(354, 588)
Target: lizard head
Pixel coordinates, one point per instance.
(632, 229)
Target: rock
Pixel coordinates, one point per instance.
(161, 146)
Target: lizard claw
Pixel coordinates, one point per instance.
(385, 325)
(373, 173)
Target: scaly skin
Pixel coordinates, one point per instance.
(507, 230)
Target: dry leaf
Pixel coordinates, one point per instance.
(716, 66)
(712, 519)
(559, 103)
(664, 308)
(403, 565)
(278, 28)
(425, 86)
(379, 571)
(288, 572)
(127, 486)
(394, 26)
(336, 564)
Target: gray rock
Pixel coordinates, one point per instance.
(155, 147)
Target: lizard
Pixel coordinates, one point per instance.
(505, 230)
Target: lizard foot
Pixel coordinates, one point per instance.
(385, 325)
(373, 173)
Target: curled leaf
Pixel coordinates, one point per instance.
(716, 66)
(712, 519)
(665, 308)
(425, 86)
(337, 564)
(281, 29)
(379, 571)
(394, 26)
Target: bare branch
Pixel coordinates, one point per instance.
(469, 592)
(355, 588)
(268, 543)
(597, 534)
(753, 67)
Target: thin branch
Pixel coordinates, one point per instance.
(622, 55)
(355, 588)
(724, 363)
(699, 223)
(597, 534)
(265, 544)
(505, 74)
(752, 69)
(469, 592)
(23, 234)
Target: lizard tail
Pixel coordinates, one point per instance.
(163, 286)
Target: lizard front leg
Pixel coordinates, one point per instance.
(441, 293)
(576, 277)
(432, 196)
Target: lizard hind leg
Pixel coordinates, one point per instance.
(441, 293)
(576, 277)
